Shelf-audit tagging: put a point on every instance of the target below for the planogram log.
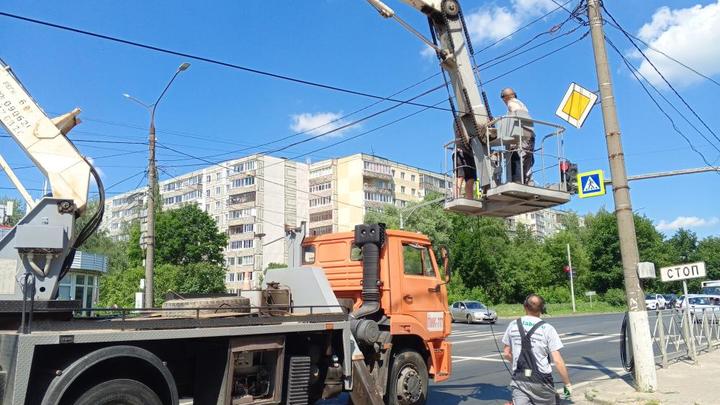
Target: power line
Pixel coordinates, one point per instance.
(690, 68)
(660, 73)
(636, 73)
(207, 60)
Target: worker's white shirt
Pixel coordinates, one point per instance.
(516, 105)
(545, 340)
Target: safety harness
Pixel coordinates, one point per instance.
(527, 367)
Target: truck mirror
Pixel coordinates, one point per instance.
(446, 263)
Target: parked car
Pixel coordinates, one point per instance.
(654, 301)
(471, 312)
(670, 301)
(699, 303)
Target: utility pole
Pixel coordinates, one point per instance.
(572, 275)
(645, 375)
(152, 185)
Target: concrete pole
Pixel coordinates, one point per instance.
(150, 233)
(645, 375)
(572, 276)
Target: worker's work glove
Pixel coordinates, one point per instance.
(567, 391)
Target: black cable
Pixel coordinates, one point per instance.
(659, 73)
(636, 75)
(690, 68)
(625, 359)
(208, 60)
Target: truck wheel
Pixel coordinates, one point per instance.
(119, 392)
(469, 319)
(408, 380)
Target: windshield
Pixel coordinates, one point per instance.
(699, 301)
(474, 305)
(649, 297)
(711, 290)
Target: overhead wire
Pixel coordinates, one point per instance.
(206, 59)
(637, 75)
(650, 62)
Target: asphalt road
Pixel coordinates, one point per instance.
(479, 376)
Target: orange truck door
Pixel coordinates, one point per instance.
(421, 298)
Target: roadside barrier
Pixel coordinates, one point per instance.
(684, 334)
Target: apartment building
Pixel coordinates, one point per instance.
(251, 199)
(542, 224)
(342, 190)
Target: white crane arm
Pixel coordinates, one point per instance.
(44, 140)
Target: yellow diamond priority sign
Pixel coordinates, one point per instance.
(576, 105)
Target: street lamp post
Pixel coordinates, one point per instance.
(152, 184)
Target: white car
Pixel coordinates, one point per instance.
(654, 301)
(701, 303)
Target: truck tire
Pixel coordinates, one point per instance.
(408, 379)
(119, 392)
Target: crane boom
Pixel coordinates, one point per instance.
(44, 140)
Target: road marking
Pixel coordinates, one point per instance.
(594, 338)
(494, 358)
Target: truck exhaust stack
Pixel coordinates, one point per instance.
(370, 238)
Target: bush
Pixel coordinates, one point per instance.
(615, 297)
(555, 295)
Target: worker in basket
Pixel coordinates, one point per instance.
(522, 159)
(465, 168)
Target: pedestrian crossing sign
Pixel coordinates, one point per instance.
(592, 184)
(576, 105)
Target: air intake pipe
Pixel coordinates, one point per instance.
(370, 238)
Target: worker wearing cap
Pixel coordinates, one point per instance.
(520, 163)
(530, 344)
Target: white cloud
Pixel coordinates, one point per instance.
(428, 53)
(690, 35)
(318, 123)
(686, 223)
(490, 23)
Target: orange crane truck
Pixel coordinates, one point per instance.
(390, 283)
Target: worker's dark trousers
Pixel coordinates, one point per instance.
(521, 167)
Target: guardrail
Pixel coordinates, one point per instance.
(505, 136)
(684, 334)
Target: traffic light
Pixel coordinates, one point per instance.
(568, 175)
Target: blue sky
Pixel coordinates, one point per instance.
(212, 109)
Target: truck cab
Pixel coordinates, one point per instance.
(412, 318)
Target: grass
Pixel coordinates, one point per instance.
(514, 310)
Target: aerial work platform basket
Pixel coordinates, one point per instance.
(496, 194)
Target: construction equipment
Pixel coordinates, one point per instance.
(396, 294)
(215, 350)
(494, 142)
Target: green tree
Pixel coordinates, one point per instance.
(18, 211)
(182, 236)
(708, 251)
(101, 243)
(118, 287)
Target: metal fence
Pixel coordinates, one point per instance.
(684, 334)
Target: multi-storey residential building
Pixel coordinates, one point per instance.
(342, 190)
(251, 199)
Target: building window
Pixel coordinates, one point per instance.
(217, 205)
(207, 207)
(412, 177)
(244, 182)
(218, 190)
(402, 175)
(231, 277)
(242, 198)
(246, 260)
(402, 189)
(317, 202)
(378, 197)
(323, 171)
(412, 191)
(230, 261)
(245, 228)
(321, 230)
(244, 166)
(218, 175)
(321, 216)
(243, 213)
(207, 193)
(378, 168)
(81, 287)
(208, 178)
(320, 187)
